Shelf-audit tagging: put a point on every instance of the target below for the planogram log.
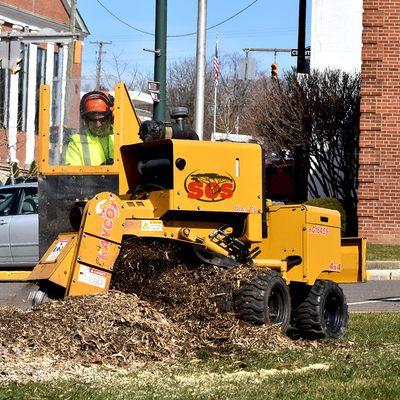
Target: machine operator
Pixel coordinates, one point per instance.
(95, 145)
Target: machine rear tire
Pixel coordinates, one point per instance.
(323, 313)
(265, 300)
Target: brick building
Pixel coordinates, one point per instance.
(42, 63)
(379, 176)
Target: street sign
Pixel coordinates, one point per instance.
(153, 86)
(247, 69)
(154, 89)
(155, 96)
(295, 52)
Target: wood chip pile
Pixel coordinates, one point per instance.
(159, 308)
(113, 327)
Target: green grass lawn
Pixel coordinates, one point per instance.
(383, 252)
(364, 365)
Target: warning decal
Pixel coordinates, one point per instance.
(151, 226)
(59, 247)
(92, 276)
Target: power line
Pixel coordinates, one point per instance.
(128, 38)
(175, 36)
(227, 33)
(124, 22)
(219, 23)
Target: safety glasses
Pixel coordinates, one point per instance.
(100, 117)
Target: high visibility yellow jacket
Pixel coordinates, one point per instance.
(87, 149)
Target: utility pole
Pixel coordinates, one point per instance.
(160, 59)
(200, 66)
(70, 62)
(100, 53)
(301, 45)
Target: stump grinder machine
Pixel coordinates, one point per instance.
(209, 195)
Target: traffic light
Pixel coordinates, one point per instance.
(15, 57)
(274, 71)
(14, 69)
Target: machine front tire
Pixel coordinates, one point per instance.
(323, 314)
(265, 300)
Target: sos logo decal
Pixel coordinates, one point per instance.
(209, 187)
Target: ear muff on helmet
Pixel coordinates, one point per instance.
(96, 102)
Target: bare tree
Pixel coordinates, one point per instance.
(232, 92)
(335, 138)
(316, 117)
(122, 71)
(181, 89)
(233, 95)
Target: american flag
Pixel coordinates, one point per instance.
(216, 65)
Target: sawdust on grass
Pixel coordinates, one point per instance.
(163, 306)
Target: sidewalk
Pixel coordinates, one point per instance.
(383, 270)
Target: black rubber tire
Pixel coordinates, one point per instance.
(323, 313)
(266, 300)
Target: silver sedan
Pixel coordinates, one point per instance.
(19, 225)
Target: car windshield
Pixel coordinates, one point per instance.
(6, 200)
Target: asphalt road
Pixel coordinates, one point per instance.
(15, 294)
(361, 297)
(373, 296)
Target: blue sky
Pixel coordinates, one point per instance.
(266, 23)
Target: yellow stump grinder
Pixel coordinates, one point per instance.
(209, 195)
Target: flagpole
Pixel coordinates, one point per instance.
(215, 87)
(215, 107)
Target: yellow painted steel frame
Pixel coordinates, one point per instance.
(214, 176)
(313, 234)
(12, 276)
(303, 243)
(83, 263)
(126, 131)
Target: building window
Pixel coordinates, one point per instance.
(56, 85)
(3, 85)
(23, 89)
(56, 62)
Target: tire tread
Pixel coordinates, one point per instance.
(307, 314)
(250, 302)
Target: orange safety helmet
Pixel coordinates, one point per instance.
(96, 102)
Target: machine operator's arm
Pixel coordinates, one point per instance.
(73, 155)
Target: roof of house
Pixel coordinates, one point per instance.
(81, 25)
(24, 17)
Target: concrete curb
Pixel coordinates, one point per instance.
(383, 265)
(383, 275)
